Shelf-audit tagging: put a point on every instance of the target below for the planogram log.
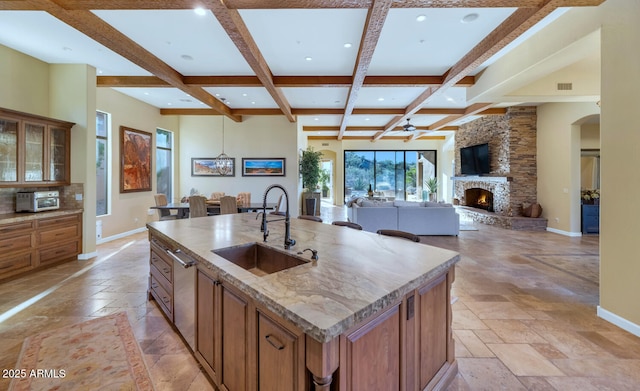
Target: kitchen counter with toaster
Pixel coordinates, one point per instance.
(31, 241)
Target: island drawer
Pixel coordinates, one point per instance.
(161, 279)
(162, 297)
(161, 263)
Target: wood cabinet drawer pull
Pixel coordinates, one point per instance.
(5, 267)
(273, 341)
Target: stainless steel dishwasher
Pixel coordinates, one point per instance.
(184, 295)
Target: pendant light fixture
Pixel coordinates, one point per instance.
(223, 163)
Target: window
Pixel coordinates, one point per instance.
(103, 131)
(393, 175)
(164, 171)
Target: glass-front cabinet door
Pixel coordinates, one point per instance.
(34, 152)
(8, 150)
(58, 154)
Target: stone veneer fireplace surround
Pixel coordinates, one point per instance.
(513, 177)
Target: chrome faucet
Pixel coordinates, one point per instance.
(288, 241)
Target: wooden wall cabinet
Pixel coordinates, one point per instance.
(39, 242)
(34, 150)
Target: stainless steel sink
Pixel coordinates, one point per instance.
(259, 259)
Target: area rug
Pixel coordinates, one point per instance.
(99, 354)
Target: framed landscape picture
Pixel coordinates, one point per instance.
(263, 166)
(206, 166)
(135, 160)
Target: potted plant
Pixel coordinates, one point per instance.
(310, 171)
(431, 185)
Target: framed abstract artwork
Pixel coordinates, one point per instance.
(263, 166)
(135, 160)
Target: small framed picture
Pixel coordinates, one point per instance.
(263, 166)
(206, 166)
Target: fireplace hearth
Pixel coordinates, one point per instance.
(479, 198)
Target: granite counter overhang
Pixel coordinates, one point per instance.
(358, 273)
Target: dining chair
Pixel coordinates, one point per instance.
(197, 206)
(244, 198)
(310, 218)
(216, 195)
(228, 205)
(348, 224)
(399, 234)
(281, 206)
(163, 214)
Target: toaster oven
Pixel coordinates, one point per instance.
(37, 201)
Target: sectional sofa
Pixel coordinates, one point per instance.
(420, 218)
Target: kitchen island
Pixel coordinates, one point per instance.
(372, 312)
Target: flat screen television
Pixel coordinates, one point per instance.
(474, 160)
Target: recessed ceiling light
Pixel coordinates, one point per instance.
(316, 119)
(146, 93)
(421, 18)
(228, 102)
(469, 18)
(245, 94)
(380, 99)
(186, 57)
(308, 58)
(217, 94)
(367, 119)
(347, 45)
(169, 103)
(99, 71)
(200, 11)
(253, 103)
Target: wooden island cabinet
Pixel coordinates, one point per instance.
(317, 326)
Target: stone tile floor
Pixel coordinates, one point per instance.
(524, 318)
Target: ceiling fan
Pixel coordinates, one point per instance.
(408, 127)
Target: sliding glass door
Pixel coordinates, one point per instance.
(392, 175)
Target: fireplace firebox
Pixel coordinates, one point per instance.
(479, 198)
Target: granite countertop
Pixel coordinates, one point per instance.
(358, 272)
(17, 217)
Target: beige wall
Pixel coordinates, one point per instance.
(25, 83)
(620, 138)
(559, 163)
(128, 211)
(254, 137)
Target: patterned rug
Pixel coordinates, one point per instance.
(99, 354)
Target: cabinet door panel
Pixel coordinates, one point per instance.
(8, 150)
(58, 155)
(206, 318)
(276, 356)
(373, 353)
(34, 152)
(234, 341)
(433, 330)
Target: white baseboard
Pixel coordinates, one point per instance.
(121, 235)
(619, 321)
(86, 256)
(565, 233)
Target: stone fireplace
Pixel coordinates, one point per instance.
(497, 197)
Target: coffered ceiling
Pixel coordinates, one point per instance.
(350, 69)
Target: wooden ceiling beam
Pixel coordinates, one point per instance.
(280, 81)
(511, 28)
(95, 28)
(284, 4)
(376, 17)
(233, 24)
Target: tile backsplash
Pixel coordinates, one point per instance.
(67, 196)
